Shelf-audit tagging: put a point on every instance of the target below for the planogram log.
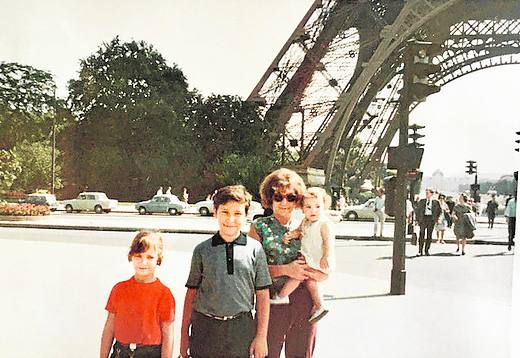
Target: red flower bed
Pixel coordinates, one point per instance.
(14, 194)
(9, 209)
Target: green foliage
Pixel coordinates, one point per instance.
(26, 104)
(130, 137)
(35, 161)
(10, 168)
(245, 169)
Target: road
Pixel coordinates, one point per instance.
(198, 224)
(56, 283)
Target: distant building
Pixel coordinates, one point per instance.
(443, 184)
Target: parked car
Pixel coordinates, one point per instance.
(90, 201)
(205, 208)
(42, 199)
(360, 212)
(165, 203)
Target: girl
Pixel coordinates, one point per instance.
(317, 248)
(140, 310)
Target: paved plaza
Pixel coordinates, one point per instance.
(58, 281)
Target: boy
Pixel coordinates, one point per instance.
(141, 310)
(227, 271)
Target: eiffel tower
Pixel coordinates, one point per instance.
(336, 81)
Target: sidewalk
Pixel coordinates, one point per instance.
(454, 307)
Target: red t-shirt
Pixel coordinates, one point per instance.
(139, 309)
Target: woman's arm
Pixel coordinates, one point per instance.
(296, 269)
(253, 234)
(191, 293)
(108, 336)
(167, 339)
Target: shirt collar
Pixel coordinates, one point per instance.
(218, 240)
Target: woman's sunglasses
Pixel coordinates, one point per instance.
(291, 198)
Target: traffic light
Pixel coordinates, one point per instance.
(415, 135)
(517, 142)
(418, 67)
(472, 167)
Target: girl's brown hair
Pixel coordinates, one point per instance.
(280, 180)
(145, 240)
(319, 193)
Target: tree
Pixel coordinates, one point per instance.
(130, 135)
(231, 135)
(27, 104)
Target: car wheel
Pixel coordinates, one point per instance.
(68, 208)
(204, 211)
(142, 210)
(351, 216)
(98, 209)
(172, 211)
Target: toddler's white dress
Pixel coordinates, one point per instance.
(312, 242)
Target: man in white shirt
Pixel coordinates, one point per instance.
(427, 213)
(379, 212)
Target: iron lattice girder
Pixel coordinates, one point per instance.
(413, 15)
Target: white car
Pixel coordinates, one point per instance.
(90, 201)
(205, 208)
(42, 199)
(359, 212)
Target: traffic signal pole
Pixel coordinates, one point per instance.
(398, 276)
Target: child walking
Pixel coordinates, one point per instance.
(141, 309)
(227, 272)
(316, 233)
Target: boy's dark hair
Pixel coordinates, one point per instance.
(229, 193)
(145, 240)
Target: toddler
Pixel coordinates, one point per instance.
(316, 233)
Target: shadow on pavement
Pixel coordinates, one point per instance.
(505, 253)
(333, 298)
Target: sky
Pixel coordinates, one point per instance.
(224, 46)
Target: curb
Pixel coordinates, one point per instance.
(27, 225)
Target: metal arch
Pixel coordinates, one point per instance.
(494, 49)
(413, 15)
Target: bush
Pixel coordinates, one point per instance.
(9, 209)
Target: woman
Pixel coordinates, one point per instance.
(458, 218)
(442, 223)
(282, 191)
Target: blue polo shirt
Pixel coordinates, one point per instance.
(226, 275)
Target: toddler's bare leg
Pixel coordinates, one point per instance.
(314, 291)
(289, 287)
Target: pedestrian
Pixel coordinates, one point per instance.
(491, 211)
(460, 229)
(227, 272)
(159, 191)
(289, 326)
(442, 223)
(317, 236)
(185, 194)
(510, 214)
(451, 205)
(379, 212)
(427, 212)
(141, 310)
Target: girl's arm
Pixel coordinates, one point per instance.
(108, 336)
(325, 242)
(191, 293)
(167, 339)
(258, 348)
